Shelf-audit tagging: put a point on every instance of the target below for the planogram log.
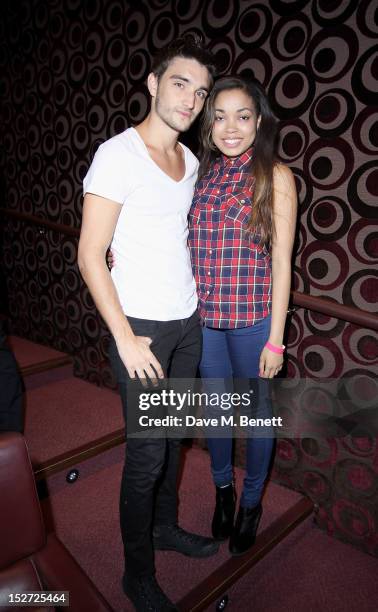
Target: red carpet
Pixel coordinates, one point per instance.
(66, 414)
(29, 353)
(307, 572)
(85, 516)
(33, 381)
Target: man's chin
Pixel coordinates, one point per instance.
(184, 120)
(181, 126)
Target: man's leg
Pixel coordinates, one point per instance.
(167, 534)
(145, 457)
(183, 367)
(145, 462)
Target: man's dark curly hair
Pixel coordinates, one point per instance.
(190, 46)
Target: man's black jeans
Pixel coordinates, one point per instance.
(149, 481)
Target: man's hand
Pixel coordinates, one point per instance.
(270, 363)
(139, 360)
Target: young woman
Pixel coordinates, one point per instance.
(241, 233)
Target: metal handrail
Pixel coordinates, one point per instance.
(302, 300)
(41, 222)
(351, 314)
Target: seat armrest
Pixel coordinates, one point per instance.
(20, 577)
(22, 532)
(59, 571)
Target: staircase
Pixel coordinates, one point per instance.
(75, 434)
(66, 419)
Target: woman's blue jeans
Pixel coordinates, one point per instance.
(229, 354)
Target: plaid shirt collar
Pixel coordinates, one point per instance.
(239, 163)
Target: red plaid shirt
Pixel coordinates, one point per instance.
(232, 272)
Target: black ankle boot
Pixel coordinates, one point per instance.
(244, 532)
(223, 518)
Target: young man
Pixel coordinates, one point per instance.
(138, 193)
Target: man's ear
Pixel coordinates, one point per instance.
(152, 84)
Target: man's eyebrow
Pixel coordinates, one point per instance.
(181, 78)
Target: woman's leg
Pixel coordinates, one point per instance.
(216, 374)
(245, 346)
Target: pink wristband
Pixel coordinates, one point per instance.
(275, 349)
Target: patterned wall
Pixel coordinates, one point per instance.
(72, 76)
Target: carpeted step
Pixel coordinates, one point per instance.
(33, 358)
(46, 377)
(85, 516)
(309, 571)
(65, 417)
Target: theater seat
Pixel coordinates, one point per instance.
(31, 560)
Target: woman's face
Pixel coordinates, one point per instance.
(236, 123)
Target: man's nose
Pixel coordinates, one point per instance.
(190, 100)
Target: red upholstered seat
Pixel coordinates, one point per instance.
(31, 560)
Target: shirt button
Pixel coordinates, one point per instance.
(242, 201)
(211, 250)
(208, 274)
(211, 209)
(218, 190)
(207, 292)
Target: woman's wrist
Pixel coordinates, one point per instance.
(275, 348)
(276, 340)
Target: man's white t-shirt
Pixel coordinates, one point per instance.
(152, 272)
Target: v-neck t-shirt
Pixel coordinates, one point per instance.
(152, 272)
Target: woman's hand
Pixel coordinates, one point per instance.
(270, 363)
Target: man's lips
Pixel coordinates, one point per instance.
(185, 113)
